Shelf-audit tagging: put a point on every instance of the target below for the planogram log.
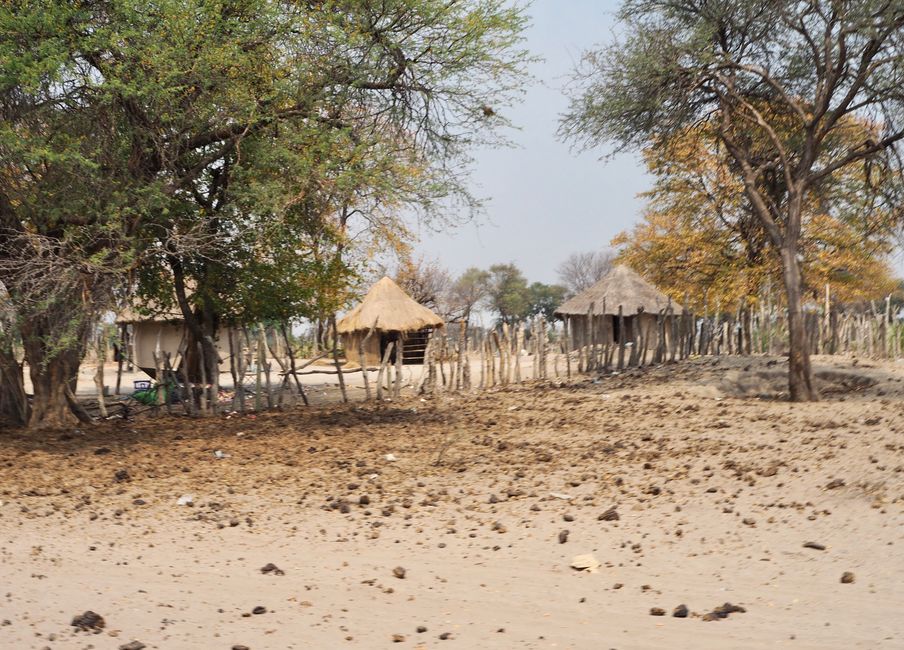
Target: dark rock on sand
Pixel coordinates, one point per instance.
(89, 621)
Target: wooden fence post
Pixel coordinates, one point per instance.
(123, 351)
(362, 358)
(621, 339)
(336, 363)
(464, 370)
(567, 347)
(383, 364)
(399, 364)
(101, 349)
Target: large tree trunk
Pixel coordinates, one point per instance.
(52, 376)
(13, 403)
(201, 331)
(800, 375)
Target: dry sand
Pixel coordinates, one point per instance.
(716, 496)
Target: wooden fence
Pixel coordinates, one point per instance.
(266, 372)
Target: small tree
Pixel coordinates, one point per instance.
(777, 82)
(507, 293)
(544, 298)
(468, 291)
(426, 282)
(580, 271)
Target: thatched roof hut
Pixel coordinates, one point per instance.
(397, 316)
(592, 316)
(146, 326)
(148, 312)
(621, 286)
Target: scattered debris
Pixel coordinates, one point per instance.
(847, 578)
(185, 500)
(680, 611)
(399, 572)
(272, 568)
(657, 611)
(816, 546)
(723, 611)
(835, 483)
(133, 645)
(89, 621)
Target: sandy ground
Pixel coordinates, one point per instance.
(716, 492)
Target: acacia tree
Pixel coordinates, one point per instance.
(385, 97)
(699, 237)
(128, 130)
(741, 68)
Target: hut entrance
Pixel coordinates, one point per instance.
(414, 345)
(385, 339)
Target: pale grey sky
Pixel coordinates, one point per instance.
(546, 201)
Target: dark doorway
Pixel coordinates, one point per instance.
(385, 339)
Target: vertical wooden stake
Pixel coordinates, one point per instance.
(101, 348)
(519, 342)
(384, 362)
(464, 363)
(362, 358)
(336, 363)
(214, 399)
(123, 351)
(258, 378)
(298, 385)
(621, 339)
(544, 349)
(400, 361)
(483, 364)
(565, 341)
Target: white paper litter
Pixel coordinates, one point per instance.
(586, 563)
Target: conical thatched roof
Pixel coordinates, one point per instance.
(621, 286)
(147, 312)
(396, 310)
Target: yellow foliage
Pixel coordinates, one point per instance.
(699, 238)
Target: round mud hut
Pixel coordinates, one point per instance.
(395, 318)
(621, 307)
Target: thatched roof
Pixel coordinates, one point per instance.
(396, 310)
(621, 286)
(148, 312)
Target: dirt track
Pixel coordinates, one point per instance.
(715, 495)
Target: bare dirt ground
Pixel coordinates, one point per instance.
(687, 483)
